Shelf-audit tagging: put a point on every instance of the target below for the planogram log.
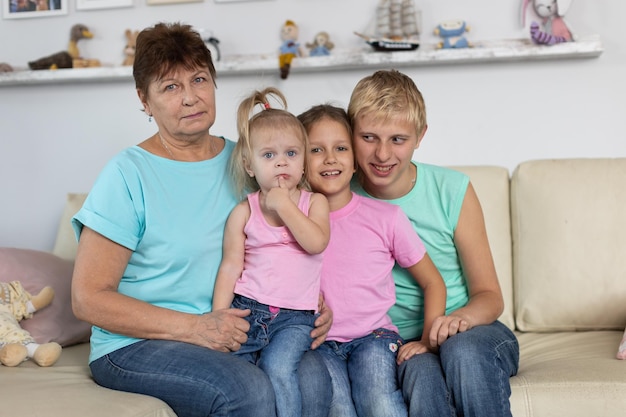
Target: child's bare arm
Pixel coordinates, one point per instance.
(233, 257)
(429, 279)
(312, 232)
(434, 288)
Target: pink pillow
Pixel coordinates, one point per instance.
(36, 269)
(621, 350)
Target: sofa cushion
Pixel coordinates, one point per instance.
(65, 245)
(572, 374)
(67, 389)
(568, 222)
(492, 188)
(36, 269)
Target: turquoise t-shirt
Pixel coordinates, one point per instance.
(171, 214)
(433, 207)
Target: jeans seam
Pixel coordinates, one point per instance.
(504, 378)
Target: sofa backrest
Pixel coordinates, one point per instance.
(492, 188)
(569, 244)
(65, 244)
(558, 242)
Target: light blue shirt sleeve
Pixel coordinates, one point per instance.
(171, 215)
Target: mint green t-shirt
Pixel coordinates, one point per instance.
(433, 207)
(171, 214)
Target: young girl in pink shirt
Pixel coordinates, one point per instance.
(368, 237)
(273, 244)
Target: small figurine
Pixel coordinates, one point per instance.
(4, 67)
(212, 45)
(452, 32)
(289, 49)
(69, 58)
(321, 45)
(553, 27)
(131, 46)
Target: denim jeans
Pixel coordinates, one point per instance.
(277, 340)
(193, 380)
(363, 374)
(196, 381)
(469, 377)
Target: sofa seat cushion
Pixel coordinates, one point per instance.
(67, 389)
(572, 371)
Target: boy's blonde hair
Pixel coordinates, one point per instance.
(385, 94)
(268, 118)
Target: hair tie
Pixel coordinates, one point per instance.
(266, 105)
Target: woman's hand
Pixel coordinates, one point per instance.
(322, 324)
(223, 330)
(445, 327)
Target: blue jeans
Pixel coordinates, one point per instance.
(192, 380)
(363, 373)
(196, 381)
(469, 377)
(277, 340)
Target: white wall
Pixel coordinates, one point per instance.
(55, 139)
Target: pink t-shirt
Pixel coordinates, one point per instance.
(367, 237)
(277, 271)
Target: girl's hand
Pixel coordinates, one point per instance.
(410, 349)
(445, 327)
(278, 196)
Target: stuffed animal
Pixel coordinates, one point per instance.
(289, 49)
(4, 67)
(16, 344)
(553, 28)
(131, 46)
(452, 31)
(71, 57)
(321, 45)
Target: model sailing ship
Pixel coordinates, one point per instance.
(397, 27)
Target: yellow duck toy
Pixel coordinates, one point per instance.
(70, 58)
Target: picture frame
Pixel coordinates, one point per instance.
(22, 9)
(102, 4)
(233, 1)
(159, 2)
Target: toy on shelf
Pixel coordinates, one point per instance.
(289, 49)
(71, 57)
(396, 26)
(212, 45)
(131, 46)
(321, 45)
(452, 33)
(553, 28)
(16, 344)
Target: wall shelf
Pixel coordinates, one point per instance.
(487, 51)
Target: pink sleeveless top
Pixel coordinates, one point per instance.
(277, 271)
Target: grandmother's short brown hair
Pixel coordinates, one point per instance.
(165, 47)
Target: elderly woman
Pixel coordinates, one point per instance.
(150, 236)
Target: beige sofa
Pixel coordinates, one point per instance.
(557, 230)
